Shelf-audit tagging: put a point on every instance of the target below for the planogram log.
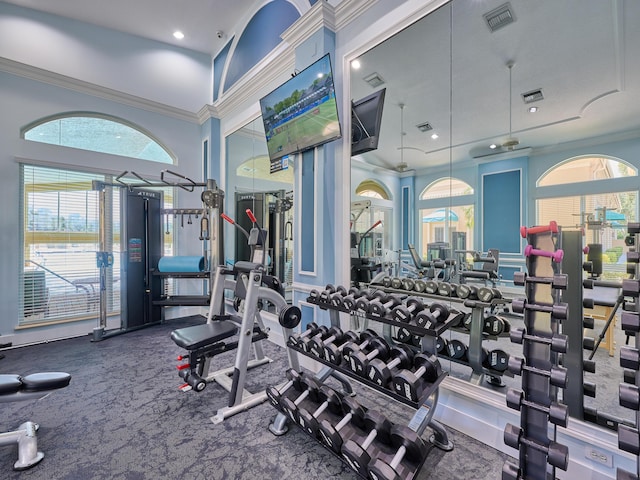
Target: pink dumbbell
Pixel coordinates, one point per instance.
(555, 256)
(552, 227)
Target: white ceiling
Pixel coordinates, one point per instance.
(199, 20)
(583, 54)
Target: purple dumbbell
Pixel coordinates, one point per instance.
(555, 256)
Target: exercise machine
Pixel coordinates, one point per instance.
(238, 326)
(15, 388)
(142, 244)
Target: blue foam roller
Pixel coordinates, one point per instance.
(181, 264)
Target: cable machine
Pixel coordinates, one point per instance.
(142, 244)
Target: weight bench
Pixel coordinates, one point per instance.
(488, 271)
(15, 388)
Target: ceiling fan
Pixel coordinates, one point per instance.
(511, 143)
(402, 166)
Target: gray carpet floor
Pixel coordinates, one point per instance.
(123, 417)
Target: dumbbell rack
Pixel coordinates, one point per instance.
(476, 334)
(425, 406)
(629, 437)
(539, 454)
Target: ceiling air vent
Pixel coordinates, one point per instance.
(499, 17)
(533, 96)
(375, 80)
(424, 127)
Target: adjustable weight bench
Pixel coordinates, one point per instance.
(15, 388)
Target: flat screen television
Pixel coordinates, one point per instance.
(366, 117)
(301, 113)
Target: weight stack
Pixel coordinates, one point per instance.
(542, 341)
(629, 437)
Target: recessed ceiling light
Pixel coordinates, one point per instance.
(178, 34)
(434, 136)
(533, 109)
(493, 146)
(355, 64)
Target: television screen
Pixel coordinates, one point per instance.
(301, 113)
(366, 116)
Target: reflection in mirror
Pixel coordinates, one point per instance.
(251, 185)
(485, 129)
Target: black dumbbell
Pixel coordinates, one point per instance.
(557, 412)
(274, 394)
(442, 346)
(465, 291)
(349, 302)
(381, 307)
(557, 375)
(467, 321)
(380, 372)
(435, 315)
(329, 290)
(363, 302)
(296, 340)
(332, 435)
(409, 446)
(497, 360)
(358, 360)
(396, 283)
(456, 349)
(333, 351)
(403, 335)
(446, 289)
(557, 454)
(486, 294)
(408, 384)
(191, 378)
(557, 341)
(419, 286)
(431, 287)
(355, 454)
(290, 407)
(558, 281)
(330, 399)
(559, 311)
(305, 343)
(408, 284)
(316, 344)
(314, 296)
(404, 313)
(495, 325)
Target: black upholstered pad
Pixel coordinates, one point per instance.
(199, 336)
(472, 274)
(45, 381)
(9, 384)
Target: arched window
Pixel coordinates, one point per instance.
(596, 193)
(373, 189)
(98, 133)
(586, 169)
(446, 187)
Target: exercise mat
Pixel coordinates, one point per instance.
(181, 264)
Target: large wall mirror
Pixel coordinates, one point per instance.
(252, 185)
(496, 114)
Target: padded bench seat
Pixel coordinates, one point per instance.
(36, 382)
(474, 274)
(198, 336)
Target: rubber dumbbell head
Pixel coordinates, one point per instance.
(557, 454)
(290, 407)
(558, 342)
(332, 435)
(329, 399)
(434, 316)
(380, 372)
(409, 445)
(497, 360)
(381, 307)
(333, 351)
(457, 349)
(274, 394)
(557, 412)
(296, 340)
(316, 344)
(557, 375)
(559, 311)
(404, 313)
(358, 360)
(408, 384)
(356, 454)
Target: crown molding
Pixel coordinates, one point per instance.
(348, 10)
(58, 80)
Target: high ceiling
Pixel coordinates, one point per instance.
(199, 20)
(450, 70)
